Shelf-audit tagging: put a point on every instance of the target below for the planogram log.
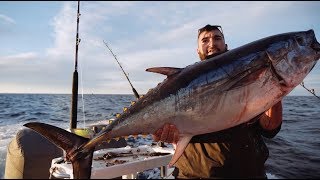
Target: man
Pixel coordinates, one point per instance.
(237, 152)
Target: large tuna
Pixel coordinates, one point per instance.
(204, 97)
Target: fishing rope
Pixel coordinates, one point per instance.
(81, 82)
(310, 90)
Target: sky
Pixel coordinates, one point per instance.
(37, 49)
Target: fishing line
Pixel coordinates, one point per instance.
(115, 57)
(310, 90)
(81, 82)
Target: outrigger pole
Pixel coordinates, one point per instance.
(133, 89)
(74, 100)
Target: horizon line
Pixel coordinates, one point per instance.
(96, 94)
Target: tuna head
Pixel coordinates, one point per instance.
(294, 57)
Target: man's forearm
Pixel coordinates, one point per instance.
(272, 118)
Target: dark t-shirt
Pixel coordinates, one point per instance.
(238, 152)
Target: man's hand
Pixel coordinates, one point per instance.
(168, 133)
(272, 118)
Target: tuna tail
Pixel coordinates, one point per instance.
(70, 143)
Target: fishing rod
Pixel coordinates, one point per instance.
(310, 90)
(74, 100)
(133, 89)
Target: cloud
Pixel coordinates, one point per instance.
(6, 19)
(21, 58)
(63, 32)
(143, 35)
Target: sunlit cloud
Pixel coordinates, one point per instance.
(6, 19)
(63, 26)
(143, 35)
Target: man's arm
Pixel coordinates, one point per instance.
(270, 122)
(272, 118)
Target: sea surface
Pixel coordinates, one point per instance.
(294, 152)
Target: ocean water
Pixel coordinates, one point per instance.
(294, 152)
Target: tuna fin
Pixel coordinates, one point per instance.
(168, 71)
(58, 136)
(181, 146)
(68, 142)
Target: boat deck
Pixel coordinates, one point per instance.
(123, 162)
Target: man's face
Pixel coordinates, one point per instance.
(210, 43)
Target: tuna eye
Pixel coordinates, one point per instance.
(299, 40)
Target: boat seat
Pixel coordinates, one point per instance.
(29, 155)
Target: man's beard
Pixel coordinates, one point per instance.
(204, 57)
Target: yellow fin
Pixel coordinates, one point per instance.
(118, 115)
(110, 121)
(126, 137)
(144, 135)
(135, 136)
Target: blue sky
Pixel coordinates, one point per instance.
(37, 48)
